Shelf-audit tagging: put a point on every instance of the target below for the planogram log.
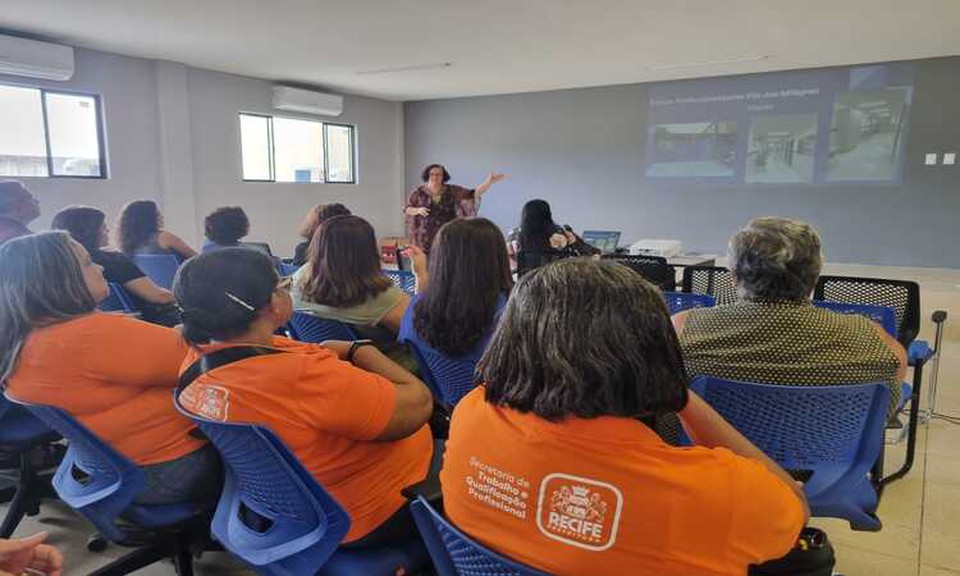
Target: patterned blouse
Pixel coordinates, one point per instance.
(788, 343)
(455, 202)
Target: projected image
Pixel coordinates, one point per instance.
(865, 134)
(781, 148)
(693, 149)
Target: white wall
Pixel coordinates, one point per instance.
(172, 135)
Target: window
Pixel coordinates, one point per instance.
(48, 133)
(275, 149)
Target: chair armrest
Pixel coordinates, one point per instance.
(919, 352)
(429, 488)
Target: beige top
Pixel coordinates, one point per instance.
(368, 313)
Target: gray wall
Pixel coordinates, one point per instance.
(583, 151)
(172, 135)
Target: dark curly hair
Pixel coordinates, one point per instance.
(139, 220)
(585, 338)
(425, 175)
(226, 225)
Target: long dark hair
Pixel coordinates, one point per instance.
(344, 264)
(41, 283)
(585, 338)
(83, 223)
(139, 220)
(536, 226)
(216, 291)
(469, 271)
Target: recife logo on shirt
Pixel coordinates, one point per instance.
(579, 511)
(209, 401)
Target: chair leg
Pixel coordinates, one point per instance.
(26, 500)
(139, 558)
(183, 558)
(912, 431)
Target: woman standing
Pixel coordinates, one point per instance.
(434, 203)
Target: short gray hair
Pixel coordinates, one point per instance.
(11, 195)
(775, 258)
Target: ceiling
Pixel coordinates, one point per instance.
(396, 49)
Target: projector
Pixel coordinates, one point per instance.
(662, 248)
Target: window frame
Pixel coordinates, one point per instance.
(101, 133)
(273, 150)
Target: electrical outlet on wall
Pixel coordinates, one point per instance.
(930, 159)
(949, 158)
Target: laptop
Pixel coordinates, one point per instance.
(604, 240)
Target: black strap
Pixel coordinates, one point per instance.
(221, 358)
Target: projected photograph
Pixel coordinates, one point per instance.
(781, 148)
(865, 134)
(695, 149)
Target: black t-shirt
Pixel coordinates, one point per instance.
(300, 254)
(119, 269)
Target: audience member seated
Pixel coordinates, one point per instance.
(342, 280)
(18, 207)
(356, 420)
(140, 231)
(469, 281)
(113, 373)
(773, 334)
(548, 464)
(87, 226)
(224, 227)
(539, 234)
(309, 227)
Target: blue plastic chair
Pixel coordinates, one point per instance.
(118, 300)
(680, 301)
(20, 433)
(448, 378)
(288, 269)
(161, 268)
(102, 484)
(309, 328)
(835, 432)
(404, 280)
(274, 516)
(456, 554)
(882, 315)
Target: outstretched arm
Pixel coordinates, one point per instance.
(492, 179)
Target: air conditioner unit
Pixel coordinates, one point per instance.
(307, 101)
(35, 59)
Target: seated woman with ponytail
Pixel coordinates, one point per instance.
(113, 373)
(356, 420)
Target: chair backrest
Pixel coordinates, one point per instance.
(456, 554)
(827, 430)
(272, 513)
(118, 300)
(901, 295)
(404, 280)
(259, 247)
(309, 328)
(882, 315)
(288, 269)
(93, 478)
(527, 261)
(161, 268)
(449, 378)
(680, 301)
(714, 281)
(654, 268)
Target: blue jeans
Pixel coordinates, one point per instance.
(196, 477)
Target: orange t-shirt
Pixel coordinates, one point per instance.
(607, 497)
(116, 375)
(327, 412)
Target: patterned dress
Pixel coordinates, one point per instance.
(455, 202)
(787, 343)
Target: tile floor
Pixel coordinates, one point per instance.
(921, 513)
